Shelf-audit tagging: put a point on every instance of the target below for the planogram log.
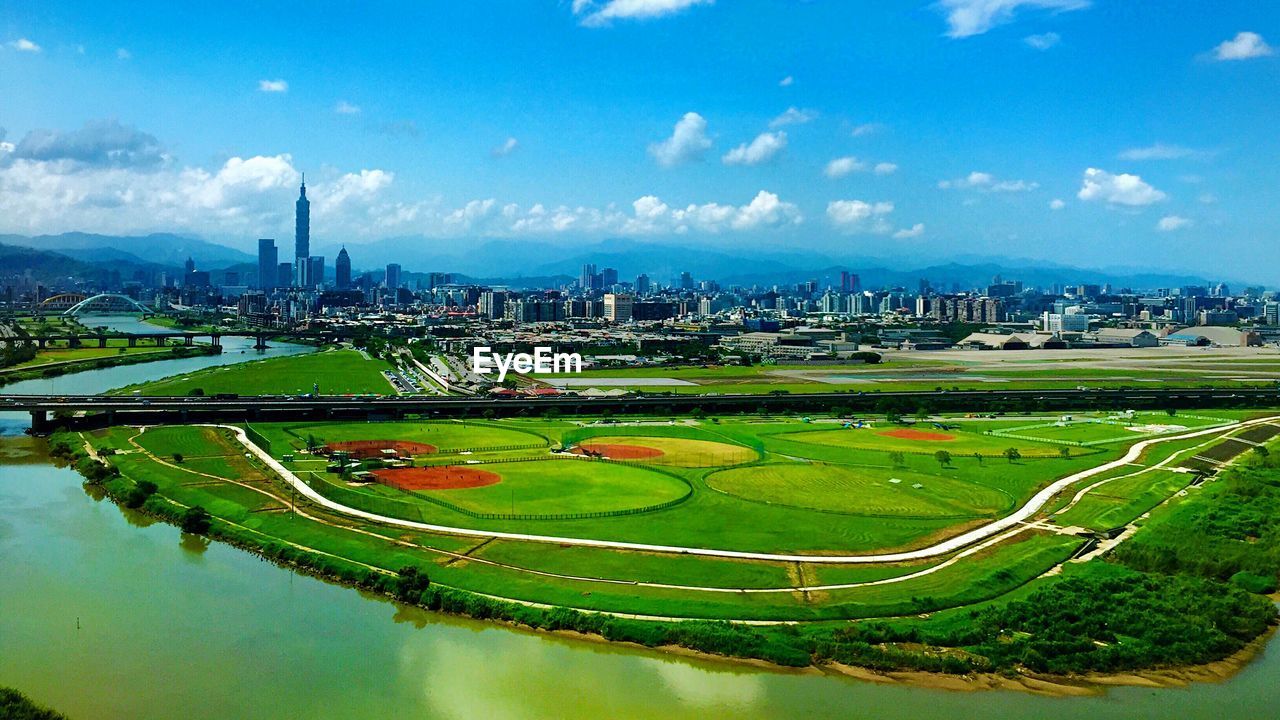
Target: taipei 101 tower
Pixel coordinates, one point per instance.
(302, 237)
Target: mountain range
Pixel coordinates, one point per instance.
(529, 264)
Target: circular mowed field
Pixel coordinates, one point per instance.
(439, 477)
(615, 451)
(562, 487)
(860, 490)
(374, 448)
(672, 451)
(912, 440)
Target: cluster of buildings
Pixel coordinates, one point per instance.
(813, 320)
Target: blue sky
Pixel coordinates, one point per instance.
(905, 129)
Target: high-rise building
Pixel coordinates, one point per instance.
(686, 281)
(302, 238)
(342, 270)
(189, 266)
(268, 258)
(642, 285)
(302, 223)
(284, 275)
(587, 280)
(315, 270)
(392, 278)
(617, 307)
(608, 277)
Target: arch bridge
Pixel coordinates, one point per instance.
(108, 303)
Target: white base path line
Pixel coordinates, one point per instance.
(945, 547)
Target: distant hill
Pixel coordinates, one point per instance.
(158, 248)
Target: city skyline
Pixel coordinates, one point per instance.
(820, 136)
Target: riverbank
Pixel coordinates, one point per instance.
(66, 367)
(890, 650)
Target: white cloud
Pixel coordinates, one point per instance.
(974, 17)
(764, 148)
(25, 45)
(253, 197)
(1122, 189)
(866, 129)
(1207, 198)
(794, 116)
(345, 108)
(273, 86)
(600, 14)
(1160, 151)
(986, 182)
(688, 141)
(1043, 41)
(858, 216)
(786, 81)
(843, 166)
(123, 54)
(1056, 204)
(507, 147)
(913, 232)
(1169, 223)
(886, 168)
(1243, 46)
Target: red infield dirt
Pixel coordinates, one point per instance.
(618, 452)
(910, 434)
(438, 477)
(360, 449)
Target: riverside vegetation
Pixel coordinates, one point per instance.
(1187, 589)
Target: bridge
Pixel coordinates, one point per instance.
(88, 411)
(174, 337)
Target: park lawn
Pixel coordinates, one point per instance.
(1076, 432)
(444, 435)
(962, 442)
(335, 372)
(555, 487)
(189, 441)
(678, 451)
(853, 490)
(628, 566)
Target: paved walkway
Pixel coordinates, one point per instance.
(946, 547)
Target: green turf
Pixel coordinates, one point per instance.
(872, 491)
(335, 372)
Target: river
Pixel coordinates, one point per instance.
(104, 614)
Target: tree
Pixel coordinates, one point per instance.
(1012, 454)
(195, 520)
(978, 456)
(1064, 451)
(488, 414)
(411, 583)
(897, 458)
(943, 457)
(311, 442)
(177, 458)
(195, 392)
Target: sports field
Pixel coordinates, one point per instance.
(676, 451)
(780, 486)
(860, 490)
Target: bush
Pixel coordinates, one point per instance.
(195, 520)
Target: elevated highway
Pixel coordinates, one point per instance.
(49, 411)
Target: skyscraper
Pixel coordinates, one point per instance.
(302, 223)
(302, 238)
(268, 257)
(315, 270)
(392, 279)
(342, 270)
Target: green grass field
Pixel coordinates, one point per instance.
(790, 496)
(335, 372)
(860, 490)
(679, 452)
(882, 439)
(555, 487)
